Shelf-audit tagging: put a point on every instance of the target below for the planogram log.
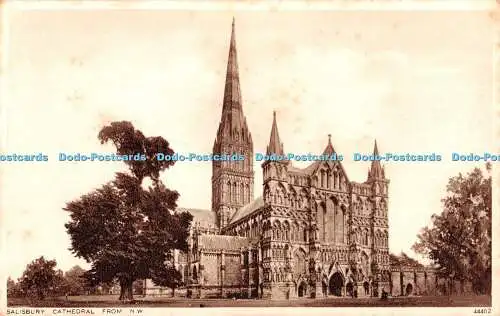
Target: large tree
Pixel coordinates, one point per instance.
(74, 282)
(459, 239)
(167, 276)
(40, 278)
(122, 229)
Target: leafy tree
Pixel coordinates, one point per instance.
(74, 281)
(60, 286)
(40, 278)
(10, 285)
(107, 287)
(139, 287)
(167, 275)
(129, 141)
(459, 240)
(13, 288)
(122, 229)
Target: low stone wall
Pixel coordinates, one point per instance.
(422, 282)
(403, 282)
(162, 291)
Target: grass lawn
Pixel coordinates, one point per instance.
(164, 301)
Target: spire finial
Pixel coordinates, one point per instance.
(232, 34)
(329, 147)
(274, 114)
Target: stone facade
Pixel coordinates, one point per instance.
(312, 233)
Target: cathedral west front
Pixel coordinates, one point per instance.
(311, 232)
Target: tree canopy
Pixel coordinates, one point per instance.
(40, 278)
(129, 141)
(459, 239)
(404, 260)
(125, 231)
(74, 282)
(14, 288)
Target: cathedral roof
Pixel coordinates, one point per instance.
(204, 218)
(309, 170)
(248, 209)
(295, 169)
(329, 150)
(216, 242)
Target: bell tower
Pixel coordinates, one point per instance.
(232, 181)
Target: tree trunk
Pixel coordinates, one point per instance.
(126, 291)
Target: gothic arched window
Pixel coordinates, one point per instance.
(195, 273)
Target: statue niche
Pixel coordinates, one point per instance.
(339, 224)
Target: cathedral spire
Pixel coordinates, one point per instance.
(375, 149)
(232, 183)
(233, 123)
(275, 146)
(376, 170)
(232, 93)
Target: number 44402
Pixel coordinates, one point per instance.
(484, 310)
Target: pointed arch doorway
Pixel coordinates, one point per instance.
(409, 289)
(302, 289)
(335, 284)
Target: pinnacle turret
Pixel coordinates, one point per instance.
(329, 147)
(275, 146)
(376, 170)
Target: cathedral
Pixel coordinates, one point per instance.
(312, 232)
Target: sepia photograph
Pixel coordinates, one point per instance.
(248, 155)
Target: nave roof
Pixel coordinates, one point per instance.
(221, 242)
(247, 209)
(203, 218)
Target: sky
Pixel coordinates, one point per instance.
(418, 82)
